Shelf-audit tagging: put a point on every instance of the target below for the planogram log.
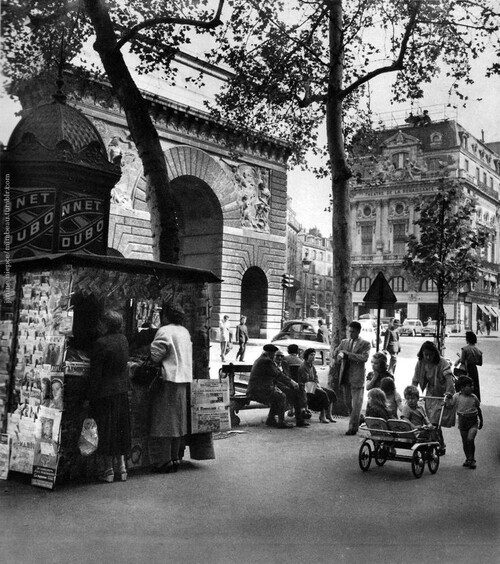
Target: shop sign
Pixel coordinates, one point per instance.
(32, 219)
(82, 223)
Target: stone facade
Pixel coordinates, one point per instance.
(230, 196)
(390, 175)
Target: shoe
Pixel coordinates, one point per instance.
(166, 468)
(176, 465)
(322, 420)
(283, 425)
(271, 423)
(472, 465)
(442, 451)
(331, 419)
(302, 424)
(350, 432)
(466, 463)
(108, 476)
(121, 476)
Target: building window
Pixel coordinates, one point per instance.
(428, 286)
(362, 284)
(399, 238)
(467, 165)
(484, 178)
(366, 239)
(400, 160)
(398, 284)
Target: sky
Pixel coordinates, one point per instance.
(310, 195)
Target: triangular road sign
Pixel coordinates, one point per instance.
(380, 293)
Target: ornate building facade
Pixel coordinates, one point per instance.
(390, 175)
(230, 191)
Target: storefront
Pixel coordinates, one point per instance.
(50, 307)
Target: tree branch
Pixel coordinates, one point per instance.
(395, 65)
(211, 24)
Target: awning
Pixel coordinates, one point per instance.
(483, 309)
(496, 310)
(490, 310)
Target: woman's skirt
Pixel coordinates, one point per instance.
(113, 424)
(169, 410)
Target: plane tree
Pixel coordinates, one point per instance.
(130, 38)
(449, 244)
(302, 67)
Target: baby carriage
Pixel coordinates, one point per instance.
(398, 440)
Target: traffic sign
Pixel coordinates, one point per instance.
(380, 293)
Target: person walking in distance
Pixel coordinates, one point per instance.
(242, 338)
(392, 344)
(352, 354)
(225, 337)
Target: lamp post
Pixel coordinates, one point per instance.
(306, 267)
(315, 286)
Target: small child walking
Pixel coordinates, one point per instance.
(470, 417)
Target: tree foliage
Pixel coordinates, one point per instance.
(448, 246)
(132, 37)
(303, 65)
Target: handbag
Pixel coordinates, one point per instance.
(460, 370)
(89, 438)
(146, 373)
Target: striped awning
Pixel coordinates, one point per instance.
(490, 310)
(483, 309)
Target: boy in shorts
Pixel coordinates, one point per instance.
(470, 417)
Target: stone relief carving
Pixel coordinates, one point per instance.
(254, 197)
(123, 152)
(398, 209)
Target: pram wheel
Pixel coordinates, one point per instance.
(433, 459)
(381, 455)
(417, 463)
(365, 456)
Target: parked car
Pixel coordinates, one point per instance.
(411, 327)
(297, 329)
(430, 329)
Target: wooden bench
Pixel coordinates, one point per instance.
(238, 376)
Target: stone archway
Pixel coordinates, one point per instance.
(254, 296)
(200, 223)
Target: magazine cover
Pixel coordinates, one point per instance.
(210, 406)
(45, 464)
(4, 455)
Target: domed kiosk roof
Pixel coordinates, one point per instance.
(55, 122)
(56, 132)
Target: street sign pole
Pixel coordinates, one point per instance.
(379, 295)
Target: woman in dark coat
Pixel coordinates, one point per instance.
(472, 357)
(109, 403)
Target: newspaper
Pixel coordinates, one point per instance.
(210, 406)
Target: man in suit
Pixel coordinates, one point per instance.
(392, 345)
(353, 354)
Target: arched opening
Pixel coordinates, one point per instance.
(200, 223)
(254, 289)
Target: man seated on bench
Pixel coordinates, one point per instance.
(262, 387)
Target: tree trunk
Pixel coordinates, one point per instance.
(341, 212)
(160, 198)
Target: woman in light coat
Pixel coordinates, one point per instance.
(172, 347)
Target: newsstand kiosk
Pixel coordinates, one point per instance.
(46, 334)
(57, 278)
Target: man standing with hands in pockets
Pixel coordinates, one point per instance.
(353, 354)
